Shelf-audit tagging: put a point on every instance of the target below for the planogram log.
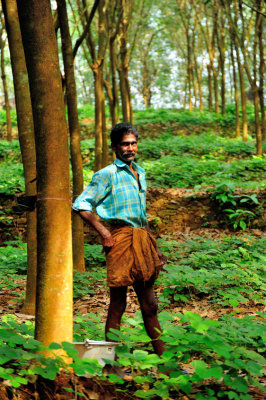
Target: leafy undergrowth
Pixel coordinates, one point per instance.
(169, 161)
(228, 272)
(186, 171)
(188, 118)
(223, 355)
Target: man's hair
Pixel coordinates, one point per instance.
(119, 130)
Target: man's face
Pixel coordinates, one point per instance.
(126, 150)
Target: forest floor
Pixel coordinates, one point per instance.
(213, 271)
(96, 389)
(180, 224)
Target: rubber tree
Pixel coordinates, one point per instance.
(97, 47)
(54, 269)
(126, 8)
(74, 130)
(26, 141)
(4, 81)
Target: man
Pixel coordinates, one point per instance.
(118, 194)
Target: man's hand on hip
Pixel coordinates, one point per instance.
(106, 237)
(162, 257)
(107, 241)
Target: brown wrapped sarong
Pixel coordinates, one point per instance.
(132, 258)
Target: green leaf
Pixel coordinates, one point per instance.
(233, 302)
(240, 385)
(70, 349)
(145, 394)
(55, 346)
(201, 368)
(142, 379)
(242, 224)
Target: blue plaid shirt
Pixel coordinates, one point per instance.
(115, 194)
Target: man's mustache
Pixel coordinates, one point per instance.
(129, 154)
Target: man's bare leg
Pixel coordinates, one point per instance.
(149, 307)
(117, 306)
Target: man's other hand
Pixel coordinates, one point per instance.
(162, 257)
(107, 242)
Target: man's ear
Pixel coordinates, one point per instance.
(113, 147)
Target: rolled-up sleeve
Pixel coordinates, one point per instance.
(94, 193)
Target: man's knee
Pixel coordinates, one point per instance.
(149, 307)
(118, 300)
(117, 306)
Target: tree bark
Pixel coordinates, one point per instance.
(243, 96)
(220, 38)
(123, 68)
(74, 130)
(5, 88)
(97, 56)
(26, 140)
(98, 90)
(105, 152)
(54, 273)
(236, 41)
(113, 64)
(261, 79)
(236, 93)
(210, 98)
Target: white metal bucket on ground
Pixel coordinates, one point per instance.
(96, 349)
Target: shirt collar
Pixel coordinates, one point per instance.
(121, 164)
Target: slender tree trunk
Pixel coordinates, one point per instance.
(216, 91)
(236, 94)
(221, 47)
(123, 70)
(243, 96)
(189, 71)
(54, 273)
(105, 153)
(5, 89)
(255, 86)
(109, 93)
(257, 121)
(261, 79)
(26, 140)
(74, 130)
(98, 93)
(210, 99)
(113, 63)
(212, 51)
(222, 63)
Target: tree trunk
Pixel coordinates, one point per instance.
(26, 140)
(210, 100)
(109, 93)
(54, 273)
(255, 86)
(257, 121)
(221, 47)
(261, 79)
(126, 107)
(216, 92)
(5, 88)
(189, 71)
(124, 68)
(74, 130)
(243, 96)
(236, 94)
(98, 93)
(105, 153)
(113, 63)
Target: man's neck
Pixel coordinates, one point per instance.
(128, 163)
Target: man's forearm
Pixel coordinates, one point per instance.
(106, 237)
(90, 218)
